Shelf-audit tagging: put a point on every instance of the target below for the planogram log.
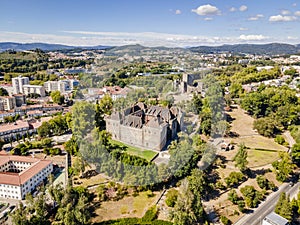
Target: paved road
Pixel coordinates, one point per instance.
(268, 206)
(289, 138)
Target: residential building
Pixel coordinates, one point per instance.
(274, 219)
(20, 175)
(145, 127)
(12, 113)
(13, 130)
(34, 89)
(18, 83)
(7, 103)
(60, 85)
(20, 99)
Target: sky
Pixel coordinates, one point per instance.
(171, 23)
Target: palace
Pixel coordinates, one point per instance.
(145, 127)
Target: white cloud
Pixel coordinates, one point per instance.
(297, 13)
(281, 18)
(243, 8)
(285, 12)
(292, 38)
(178, 11)
(208, 19)
(253, 37)
(232, 9)
(256, 17)
(91, 38)
(294, 4)
(207, 10)
(243, 29)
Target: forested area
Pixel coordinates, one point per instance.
(275, 109)
(21, 62)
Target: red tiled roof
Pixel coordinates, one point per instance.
(20, 178)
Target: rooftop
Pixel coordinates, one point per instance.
(18, 179)
(13, 126)
(275, 219)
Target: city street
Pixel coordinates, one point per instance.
(268, 206)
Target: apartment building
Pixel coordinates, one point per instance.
(18, 83)
(56, 86)
(34, 89)
(20, 175)
(7, 103)
(12, 130)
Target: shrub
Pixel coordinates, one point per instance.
(225, 220)
(234, 179)
(171, 197)
(150, 215)
(233, 196)
(241, 205)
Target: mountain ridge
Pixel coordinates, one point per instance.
(260, 49)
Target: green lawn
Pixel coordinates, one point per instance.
(258, 157)
(145, 154)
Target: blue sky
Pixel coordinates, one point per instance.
(150, 22)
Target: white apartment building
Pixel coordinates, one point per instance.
(18, 83)
(34, 89)
(20, 175)
(7, 103)
(60, 85)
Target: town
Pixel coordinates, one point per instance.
(138, 135)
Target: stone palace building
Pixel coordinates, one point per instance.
(145, 127)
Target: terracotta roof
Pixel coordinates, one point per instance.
(13, 126)
(20, 178)
(37, 123)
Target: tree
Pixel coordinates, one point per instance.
(252, 196)
(234, 179)
(183, 213)
(18, 216)
(57, 97)
(171, 197)
(235, 90)
(296, 153)
(266, 127)
(197, 103)
(284, 167)
(233, 196)
(106, 104)
(44, 130)
(3, 92)
(241, 158)
(283, 207)
(225, 220)
(83, 117)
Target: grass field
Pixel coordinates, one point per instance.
(146, 154)
(243, 126)
(258, 158)
(127, 207)
(93, 180)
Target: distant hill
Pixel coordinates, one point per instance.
(43, 46)
(259, 49)
(138, 49)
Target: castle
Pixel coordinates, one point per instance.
(146, 127)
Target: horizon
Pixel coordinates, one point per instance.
(137, 44)
(170, 23)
